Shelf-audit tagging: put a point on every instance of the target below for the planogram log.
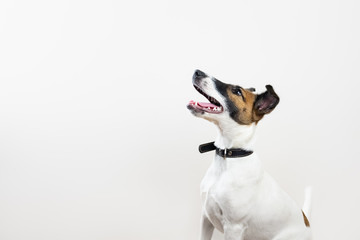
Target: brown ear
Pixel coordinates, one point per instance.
(266, 102)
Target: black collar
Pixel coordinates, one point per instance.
(229, 153)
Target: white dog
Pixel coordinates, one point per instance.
(240, 199)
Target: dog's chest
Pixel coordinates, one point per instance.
(228, 189)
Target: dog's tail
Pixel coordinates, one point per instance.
(307, 202)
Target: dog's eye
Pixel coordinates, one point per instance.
(237, 91)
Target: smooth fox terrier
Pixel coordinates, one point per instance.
(240, 199)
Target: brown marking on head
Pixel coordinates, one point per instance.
(249, 107)
(243, 102)
(306, 221)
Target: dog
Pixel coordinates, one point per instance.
(240, 199)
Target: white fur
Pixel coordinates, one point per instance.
(239, 198)
(307, 202)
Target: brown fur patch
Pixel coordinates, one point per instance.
(246, 104)
(306, 221)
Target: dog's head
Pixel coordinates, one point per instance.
(230, 102)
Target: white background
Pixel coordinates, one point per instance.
(95, 138)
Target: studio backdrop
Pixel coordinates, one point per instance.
(95, 138)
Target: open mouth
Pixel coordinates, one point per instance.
(212, 107)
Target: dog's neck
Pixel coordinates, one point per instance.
(236, 136)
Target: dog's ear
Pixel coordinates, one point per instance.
(266, 102)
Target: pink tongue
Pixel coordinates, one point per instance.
(203, 104)
(206, 105)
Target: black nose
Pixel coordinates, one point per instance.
(199, 74)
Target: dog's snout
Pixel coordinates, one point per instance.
(199, 74)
